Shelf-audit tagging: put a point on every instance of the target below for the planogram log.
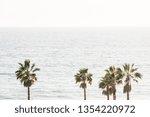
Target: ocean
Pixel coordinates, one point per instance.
(61, 52)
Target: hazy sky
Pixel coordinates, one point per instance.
(74, 13)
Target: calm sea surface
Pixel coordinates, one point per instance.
(60, 53)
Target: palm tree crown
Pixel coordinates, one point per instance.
(83, 77)
(130, 73)
(105, 84)
(113, 76)
(26, 74)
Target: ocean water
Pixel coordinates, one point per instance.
(61, 52)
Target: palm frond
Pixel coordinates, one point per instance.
(104, 92)
(78, 80)
(36, 69)
(89, 78)
(135, 80)
(107, 71)
(83, 85)
(18, 71)
(27, 63)
(132, 66)
(83, 70)
(20, 64)
(33, 65)
(138, 75)
(126, 88)
(133, 70)
(102, 84)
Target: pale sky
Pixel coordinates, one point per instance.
(74, 13)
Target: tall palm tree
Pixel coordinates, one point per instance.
(26, 75)
(115, 76)
(105, 84)
(83, 77)
(130, 73)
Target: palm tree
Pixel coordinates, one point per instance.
(26, 75)
(105, 84)
(83, 77)
(114, 75)
(130, 73)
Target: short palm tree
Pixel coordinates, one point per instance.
(115, 77)
(130, 73)
(105, 84)
(83, 77)
(26, 75)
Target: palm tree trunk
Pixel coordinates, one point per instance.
(127, 95)
(28, 93)
(114, 92)
(128, 90)
(107, 92)
(107, 96)
(84, 93)
(114, 96)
